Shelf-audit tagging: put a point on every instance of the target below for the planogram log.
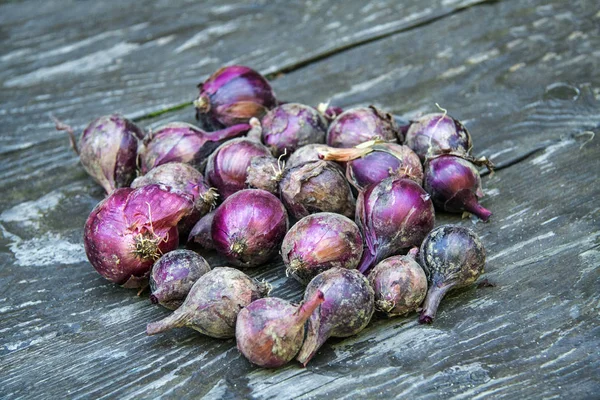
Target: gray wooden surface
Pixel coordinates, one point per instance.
(521, 75)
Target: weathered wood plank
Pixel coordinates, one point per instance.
(66, 331)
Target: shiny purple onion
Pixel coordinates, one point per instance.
(227, 166)
(454, 185)
(347, 309)
(131, 229)
(173, 275)
(270, 331)
(233, 95)
(453, 257)
(181, 142)
(358, 125)
(394, 215)
(319, 242)
(249, 226)
(108, 149)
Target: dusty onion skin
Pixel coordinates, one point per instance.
(248, 227)
(309, 152)
(434, 134)
(316, 186)
(454, 185)
(319, 242)
(359, 125)
(213, 303)
(186, 143)
(393, 215)
(173, 275)
(453, 257)
(264, 172)
(233, 95)
(289, 126)
(227, 166)
(347, 309)
(130, 229)
(399, 283)
(270, 331)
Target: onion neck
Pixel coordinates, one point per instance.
(366, 262)
(228, 133)
(473, 206)
(435, 294)
(202, 104)
(175, 320)
(343, 154)
(313, 341)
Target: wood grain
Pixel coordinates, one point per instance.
(519, 74)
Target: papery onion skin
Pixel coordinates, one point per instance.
(453, 257)
(129, 230)
(264, 172)
(227, 166)
(394, 215)
(270, 331)
(309, 152)
(316, 186)
(213, 303)
(359, 125)
(454, 185)
(290, 126)
(248, 227)
(319, 242)
(434, 134)
(173, 275)
(347, 309)
(233, 95)
(186, 143)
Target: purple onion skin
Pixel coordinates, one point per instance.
(233, 95)
(453, 257)
(264, 172)
(181, 142)
(270, 331)
(394, 215)
(454, 185)
(173, 275)
(359, 125)
(309, 152)
(347, 309)
(213, 303)
(108, 151)
(227, 166)
(201, 233)
(130, 229)
(290, 126)
(400, 285)
(319, 242)
(332, 112)
(316, 186)
(435, 134)
(249, 226)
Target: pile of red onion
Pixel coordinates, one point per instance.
(341, 201)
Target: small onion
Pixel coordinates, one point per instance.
(233, 95)
(249, 226)
(319, 242)
(173, 275)
(130, 229)
(359, 125)
(453, 257)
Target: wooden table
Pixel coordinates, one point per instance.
(522, 75)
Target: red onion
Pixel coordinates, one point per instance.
(394, 215)
(185, 143)
(435, 134)
(233, 95)
(373, 161)
(227, 166)
(399, 283)
(309, 152)
(249, 226)
(359, 125)
(289, 126)
(265, 172)
(108, 149)
(329, 112)
(173, 275)
(319, 242)
(454, 185)
(270, 331)
(316, 186)
(347, 309)
(201, 233)
(213, 303)
(129, 230)
(453, 257)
